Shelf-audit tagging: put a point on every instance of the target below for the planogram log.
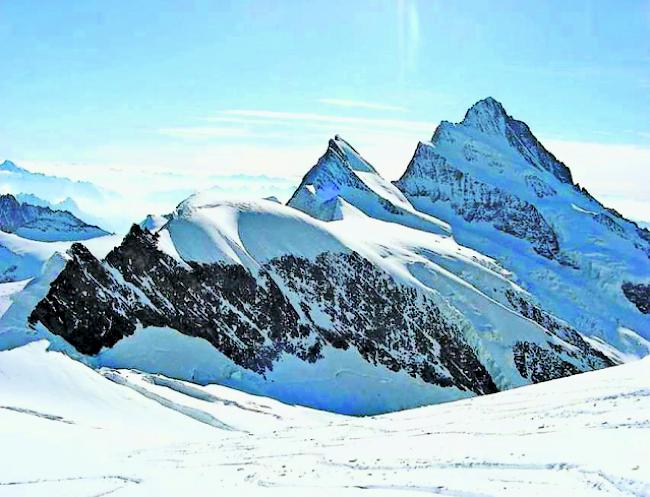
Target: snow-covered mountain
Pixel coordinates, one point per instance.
(68, 430)
(507, 196)
(475, 272)
(65, 204)
(16, 180)
(262, 297)
(35, 222)
(342, 177)
(30, 235)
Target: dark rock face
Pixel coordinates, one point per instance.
(520, 137)
(539, 364)
(540, 188)
(291, 305)
(638, 294)
(585, 354)
(139, 284)
(340, 300)
(430, 175)
(385, 321)
(42, 223)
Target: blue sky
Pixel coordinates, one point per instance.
(258, 87)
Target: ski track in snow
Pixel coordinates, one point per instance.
(140, 434)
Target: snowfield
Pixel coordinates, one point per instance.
(68, 430)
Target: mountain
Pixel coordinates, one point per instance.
(66, 204)
(31, 234)
(262, 297)
(342, 176)
(34, 222)
(504, 194)
(585, 435)
(16, 180)
(475, 272)
(87, 201)
(153, 222)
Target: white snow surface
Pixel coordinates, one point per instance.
(68, 430)
(208, 229)
(7, 291)
(21, 258)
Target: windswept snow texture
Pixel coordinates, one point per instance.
(358, 316)
(505, 195)
(69, 430)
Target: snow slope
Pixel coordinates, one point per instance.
(21, 258)
(69, 430)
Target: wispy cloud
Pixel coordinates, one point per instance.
(313, 118)
(290, 142)
(361, 104)
(206, 132)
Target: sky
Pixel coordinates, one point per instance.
(115, 89)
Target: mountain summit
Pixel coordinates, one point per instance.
(487, 116)
(487, 120)
(507, 196)
(11, 167)
(343, 180)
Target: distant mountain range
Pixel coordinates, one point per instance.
(36, 222)
(30, 234)
(17, 180)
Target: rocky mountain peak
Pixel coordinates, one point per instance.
(7, 200)
(348, 155)
(9, 166)
(488, 116)
(36, 222)
(323, 182)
